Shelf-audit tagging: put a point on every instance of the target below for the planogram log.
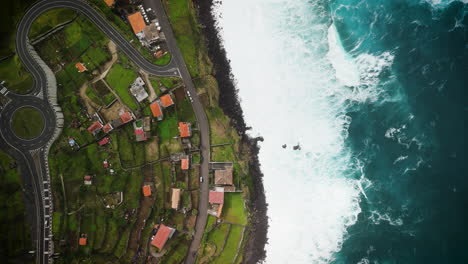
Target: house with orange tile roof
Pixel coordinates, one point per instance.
(184, 163)
(109, 3)
(126, 117)
(163, 234)
(137, 23)
(146, 190)
(80, 67)
(185, 129)
(82, 241)
(166, 100)
(95, 128)
(156, 110)
(175, 198)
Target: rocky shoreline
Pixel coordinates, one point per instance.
(229, 102)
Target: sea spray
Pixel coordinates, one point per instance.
(290, 94)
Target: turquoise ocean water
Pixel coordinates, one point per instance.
(413, 143)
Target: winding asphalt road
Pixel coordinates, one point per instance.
(32, 154)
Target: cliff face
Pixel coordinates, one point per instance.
(254, 251)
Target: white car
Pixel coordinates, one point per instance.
(201, 179)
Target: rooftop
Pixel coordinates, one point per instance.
(184, 129)
(82, 241)
(137, 22)
(156, 109)
(146, 190)
(107, 128)
(94, 128)
(184, 163)
(223, 177)
(80, 66)
(166, 100)
(126, 117)
(103, 141)
(161, 237)
(216, 197)
(175, 198)
(109, 2)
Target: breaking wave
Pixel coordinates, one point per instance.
(296, 83)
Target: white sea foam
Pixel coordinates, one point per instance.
(283, 62)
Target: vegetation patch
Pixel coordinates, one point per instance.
(28, 123)
(232, 243)
(168, 128)
(233, 210)
(49, 20)
(120, 78)
(15, 241)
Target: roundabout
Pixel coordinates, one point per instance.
(27, 123)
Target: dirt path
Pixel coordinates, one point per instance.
(107, 66)
(152, 95)
(90, 105)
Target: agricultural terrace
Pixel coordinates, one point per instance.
(111, 211)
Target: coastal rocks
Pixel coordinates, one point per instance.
(284, 146)
(297, 147)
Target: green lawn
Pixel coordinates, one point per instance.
(217, 237)
(49, 20)
(168, 128)
(232, 243)
(177, 254)
(164, 60)
(15, 241)
(233, 210)
(120, 79)
(183, 23)
(28, 123)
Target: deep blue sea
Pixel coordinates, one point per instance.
(376, 94)
(414, 146)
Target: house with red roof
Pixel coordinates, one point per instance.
(185, 129)
(105, 164)
(146, 190)
(126, 117)
(216, 197)
(137, 23)
(216, 200)
(82, 241)
(166, 100)
(163, 234)
(107, 128)
(95, 128)
(140, 135)
(156, 110)
(80, 67)
(184, 163)
(104, 141)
